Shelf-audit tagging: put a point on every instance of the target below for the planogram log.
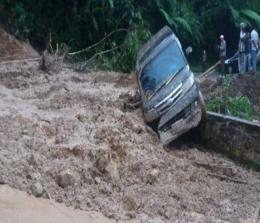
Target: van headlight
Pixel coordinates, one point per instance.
(188, 83)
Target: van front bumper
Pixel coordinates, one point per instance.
(185, 115)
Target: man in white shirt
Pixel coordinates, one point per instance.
(254, 48)
(241, 49)
(222, 53)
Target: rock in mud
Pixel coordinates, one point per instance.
(37, 189)
(138, 129)
(118, 114)
(105, 188)
(97, 180)
(112, 171)
(130, 203)
(153, 176)
(77, 150)
(102, 162)
(66, 178)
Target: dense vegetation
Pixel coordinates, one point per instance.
(81, 23)
(239, 106)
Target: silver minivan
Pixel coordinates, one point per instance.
(172, 102)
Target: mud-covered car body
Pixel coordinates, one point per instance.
(168, 90)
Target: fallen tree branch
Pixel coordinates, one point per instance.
(96, 44)
(20, 61)
(103, 52)
(136, 104)
(132, 106)
(85, 63)
(207, 165)
(208, 72)
(7, 57)
(222, 177)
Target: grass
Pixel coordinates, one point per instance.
(236, 106)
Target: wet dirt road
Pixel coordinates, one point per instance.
(18, 207)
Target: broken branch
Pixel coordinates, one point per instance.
(208, 72)
(136, 104)
(222, 177)
(20, 61)
(96, 44)
(103, 52)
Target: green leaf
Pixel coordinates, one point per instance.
(167, 17)
(234, 13)
(111, 3)
(158, 3)
(252, 15)
(95, 23)
(184, 24)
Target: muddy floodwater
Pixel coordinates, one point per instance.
(17, 206)
(71, 138)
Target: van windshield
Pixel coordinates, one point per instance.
(169, 61)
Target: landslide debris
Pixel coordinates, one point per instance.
(11, 48)
(72, 133)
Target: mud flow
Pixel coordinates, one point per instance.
(71, 137)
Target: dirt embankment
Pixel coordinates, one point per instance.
(239, 85)
(71, 137)
(11, 48)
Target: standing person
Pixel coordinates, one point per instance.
(248, 64)
(254, 48)
(222, 53)
(241, 49)
(204, 60)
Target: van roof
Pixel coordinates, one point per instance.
(152, 43)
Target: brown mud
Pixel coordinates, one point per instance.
(73, 136)
(11, 48)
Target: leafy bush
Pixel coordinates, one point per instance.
(241, 107)
(237, 106)
(215, 105)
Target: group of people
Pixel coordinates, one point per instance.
(248, 47)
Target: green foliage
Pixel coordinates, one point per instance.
(124, 59)
(182, 19)
(236, 106)
(241, 107)
(80, 24)
(254, 166)
(215, 105)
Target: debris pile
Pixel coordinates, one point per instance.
(69, 136)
